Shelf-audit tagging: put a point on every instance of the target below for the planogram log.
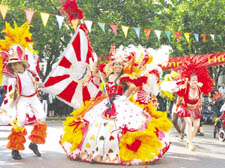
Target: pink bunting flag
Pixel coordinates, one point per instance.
(147, 33)
(177, 34)
(29, 15)
(114, 28)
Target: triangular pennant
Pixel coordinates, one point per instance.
(114, 28)
(213, 36)
(196, 37)
(60, 20)
(137, 30)
(168, 34)
(187, 36)
(29, 15)
(220, 37)
(125, 30)
(44, 17)
(102, 25)
(3, 9)
(147, 33)
(204, 37)
(177, 34)
(88, 24)
(158, 33)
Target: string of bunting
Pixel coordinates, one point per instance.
(60, 19)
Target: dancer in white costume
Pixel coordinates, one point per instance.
(113, 129)
(22, 93)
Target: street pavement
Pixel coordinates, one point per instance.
(210, 152)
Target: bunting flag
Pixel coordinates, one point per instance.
(88, 24)
(60, 20)
(168, 34)
(114, 28)
(3, 9)
(44, 17)
(29, 15)
(125, 30)
(220, 37)
(187, 36)
(137, 30)
(102, 26)
(158, 33)
(71, 80)
(177, 34)
(196, 37)
(147, 33)
(204, 37)
(213, 36)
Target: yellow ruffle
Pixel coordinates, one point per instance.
(73, 136)
(75, 130)
(149, 148)
(150, 145)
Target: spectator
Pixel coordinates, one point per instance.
(51, 101)
(222, 89)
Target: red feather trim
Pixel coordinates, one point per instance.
(71, 11)
(193, 65)
(140, 81)
(38, 133)
(101, 67)
(16, 140)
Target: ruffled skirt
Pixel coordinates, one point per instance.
(130, 136)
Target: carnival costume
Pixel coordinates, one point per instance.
(193, 81)
(106, 128)
(114, 130)
(190, 107)
(21, 91)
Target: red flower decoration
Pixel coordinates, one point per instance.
(71, 11)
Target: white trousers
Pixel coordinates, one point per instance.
(26, 103)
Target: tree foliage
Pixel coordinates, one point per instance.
(171, 15)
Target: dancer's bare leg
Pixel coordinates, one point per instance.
(196, 124)
(174, 120)
(182, 128)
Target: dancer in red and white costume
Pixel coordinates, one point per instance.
(196, 81)
(21, 97)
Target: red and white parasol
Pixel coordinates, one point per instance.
(71, 80)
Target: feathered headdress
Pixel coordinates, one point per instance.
(196, 66)
(13, 47)
(17, 36)
(70, 10)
